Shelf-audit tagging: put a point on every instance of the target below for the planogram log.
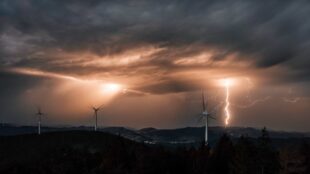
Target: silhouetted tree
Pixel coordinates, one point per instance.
(221, 158)
(245, 157)
(305, 152)
(267, 156)
(199, 159)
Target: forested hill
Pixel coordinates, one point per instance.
(187, 136)
(89, 152)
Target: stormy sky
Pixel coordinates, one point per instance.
(66, 56)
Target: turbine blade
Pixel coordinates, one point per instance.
(200, 119)
(100, 106)
(214, 110)
(203, 101)
(211, 117)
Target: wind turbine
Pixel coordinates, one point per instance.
(205, 115)
(39, 115)
(96, 114)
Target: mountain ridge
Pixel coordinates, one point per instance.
(150, 135)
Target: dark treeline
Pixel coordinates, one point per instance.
(89, 152)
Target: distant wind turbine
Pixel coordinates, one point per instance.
(39, 115)
(96, 115)
(205, 115)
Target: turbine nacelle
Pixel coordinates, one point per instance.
(39, 114)
(205, 113)
(96, 109)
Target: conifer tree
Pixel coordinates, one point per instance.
(267, 156)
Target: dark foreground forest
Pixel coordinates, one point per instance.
(75, 152)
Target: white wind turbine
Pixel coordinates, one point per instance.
(39, 115)
(96, 109)
(205, 115)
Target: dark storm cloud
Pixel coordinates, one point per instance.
(170, 86)
(12, 86)
(173, 47)
(266, 33)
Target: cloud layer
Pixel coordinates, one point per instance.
(155, 47)
(66, 36)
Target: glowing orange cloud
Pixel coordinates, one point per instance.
(96, 91)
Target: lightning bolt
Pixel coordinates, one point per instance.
(292, 98)
(251, 103)
(227, 112)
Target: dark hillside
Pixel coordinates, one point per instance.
(66, 152)
(89, 152)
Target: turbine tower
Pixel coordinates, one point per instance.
(96, 115)
(39, 115)
(205, 115)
